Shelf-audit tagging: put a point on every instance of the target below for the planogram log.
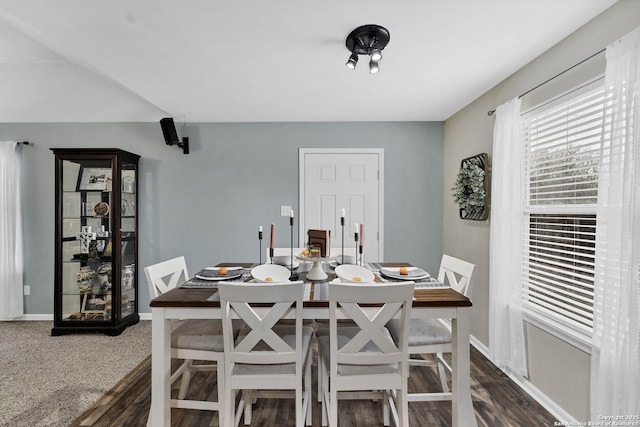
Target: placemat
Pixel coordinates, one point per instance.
(194, 282)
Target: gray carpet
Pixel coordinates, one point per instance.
(50, 381)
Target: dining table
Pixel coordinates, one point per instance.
(198, 299)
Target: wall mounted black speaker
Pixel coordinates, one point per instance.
(169, 131)
(171, 136)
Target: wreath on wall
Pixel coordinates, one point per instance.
(470, 190)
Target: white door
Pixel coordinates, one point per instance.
(351, 179)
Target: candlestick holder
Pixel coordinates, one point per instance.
(355, 259)
(362, 255)
(342, 225)
(260, 240)
(271, 240)
(294, 276)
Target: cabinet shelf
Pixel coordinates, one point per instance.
(96, 285)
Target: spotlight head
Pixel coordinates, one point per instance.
(373, 67)
(353, 60)
(376, 54)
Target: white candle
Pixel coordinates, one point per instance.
(343, 213)
(357, 228)
(260, 229)
(291, 213)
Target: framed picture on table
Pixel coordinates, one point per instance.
(94, 179)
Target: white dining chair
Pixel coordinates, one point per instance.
(433, 336)
(363, 361)
(266, 356)
(193, 340)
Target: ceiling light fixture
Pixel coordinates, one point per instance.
(353, 60)
(373, 67)
(367, 40)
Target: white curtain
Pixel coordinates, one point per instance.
(615, 361)
(506, 330)
(11, 302)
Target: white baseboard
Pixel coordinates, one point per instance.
(35, 317)
(556, 410)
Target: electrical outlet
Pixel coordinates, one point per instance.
(285, 210)
(27, 290)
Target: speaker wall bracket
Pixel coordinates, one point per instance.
(184, 144)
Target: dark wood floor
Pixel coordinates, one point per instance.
(496, 399)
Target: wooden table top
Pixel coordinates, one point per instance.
(198, 297)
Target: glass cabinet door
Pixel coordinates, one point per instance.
(86, 240)
(128, 221)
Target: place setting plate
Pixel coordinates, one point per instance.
(213, 273)
(412, 273)
(354, 274)
(270, 273)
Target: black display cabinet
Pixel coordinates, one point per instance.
(96, 240)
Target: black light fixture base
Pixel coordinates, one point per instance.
(184, 145)
(366, 38)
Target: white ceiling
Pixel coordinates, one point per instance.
(264, 61)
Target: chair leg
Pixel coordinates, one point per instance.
(402, 404)
(319, 370)
(186, 378)
(325, 401)
(333, 407)
(441, 373)
(248, 402)
(229, 407)
(307, 387)
(240, 411)
(300, 416)
(222, 393)
(385, 412)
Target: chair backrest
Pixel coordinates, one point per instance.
(166, 275)
(261, 306)
(457, 273)
(370, 307)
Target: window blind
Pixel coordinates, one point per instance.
(562, 152)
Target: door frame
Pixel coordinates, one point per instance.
(302, 152)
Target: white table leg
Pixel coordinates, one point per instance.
(160, 413)
(463, 414)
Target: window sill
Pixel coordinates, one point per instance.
(569, 335)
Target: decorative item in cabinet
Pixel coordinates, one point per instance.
(96, 240)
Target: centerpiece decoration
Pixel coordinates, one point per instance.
(470, 189)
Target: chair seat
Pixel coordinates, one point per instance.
(422, 331)
(344, 335)
(288, 334)
(200, 334)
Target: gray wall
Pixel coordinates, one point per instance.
(207, 205)
(556, 368)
